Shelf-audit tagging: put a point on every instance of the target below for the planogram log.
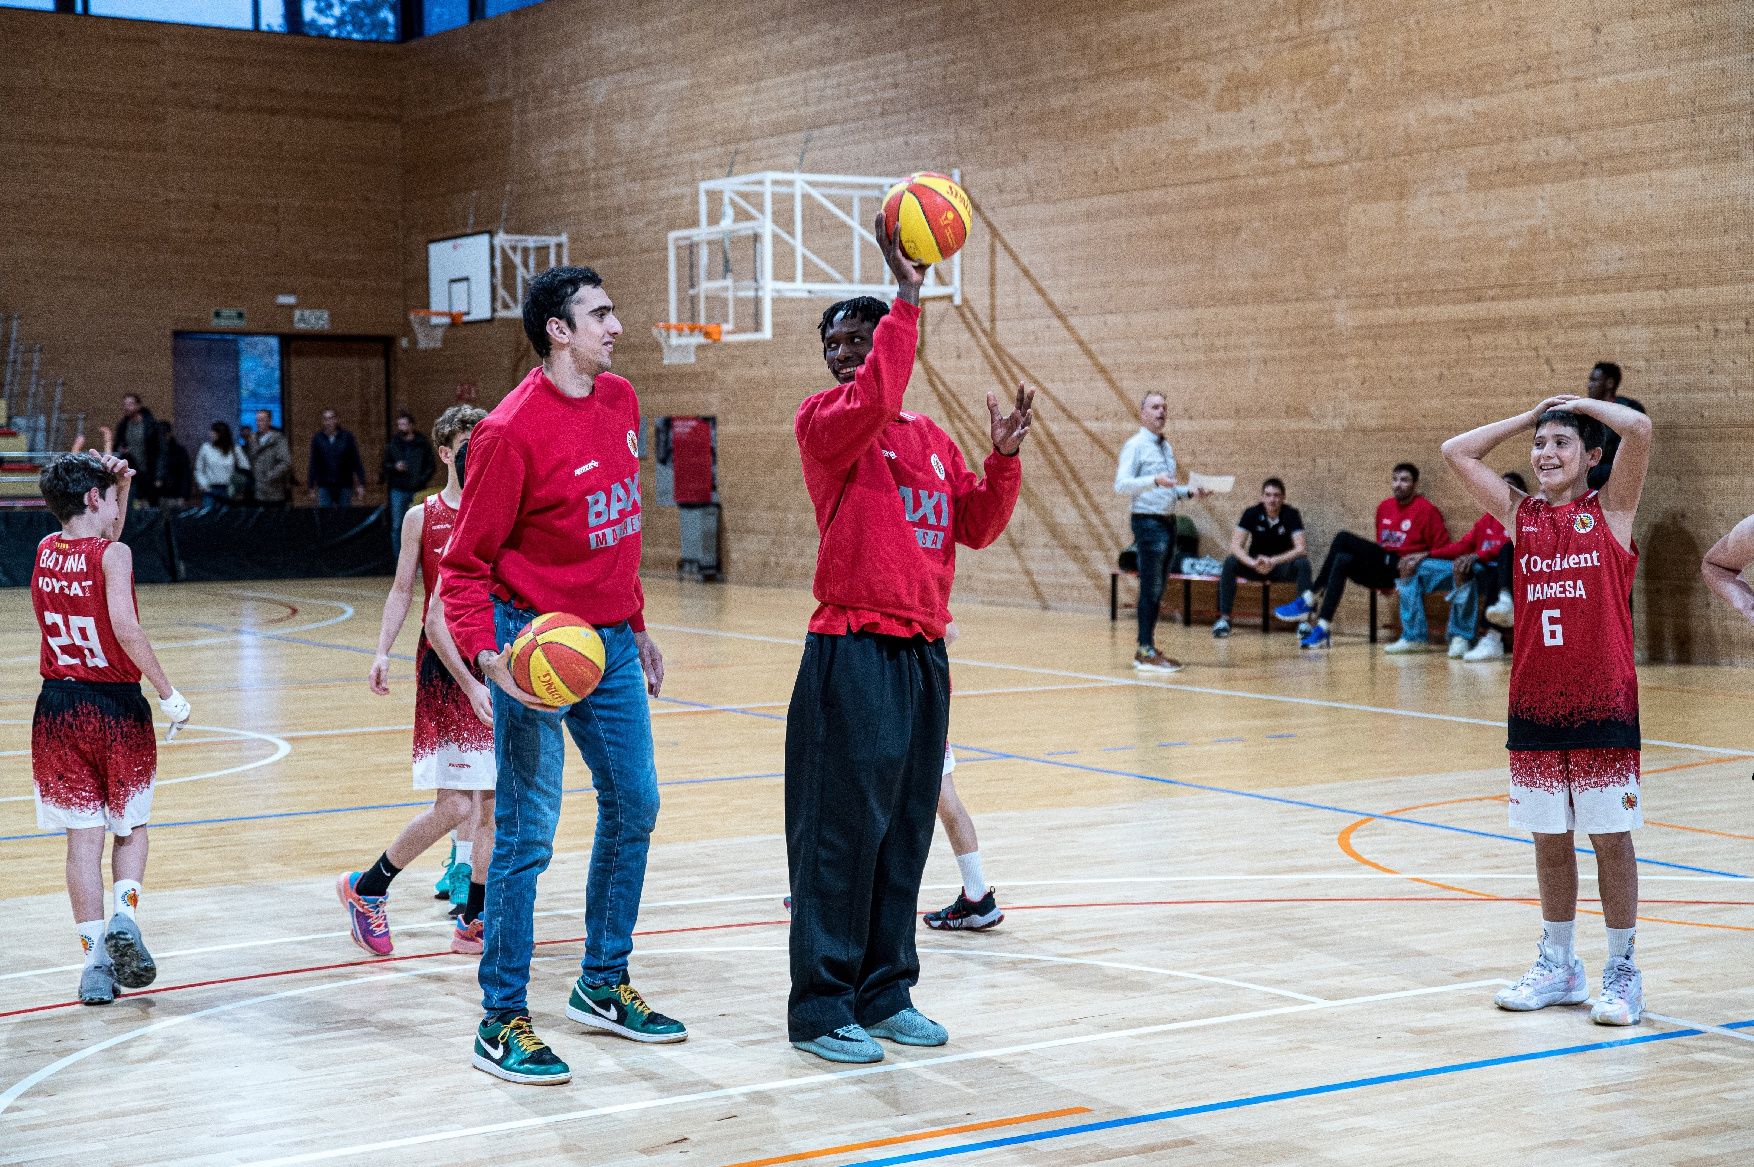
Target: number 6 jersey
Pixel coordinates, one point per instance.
(1573, 684)
(72, 606)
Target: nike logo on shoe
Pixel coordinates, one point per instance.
(605, 1011)
(493, 1051)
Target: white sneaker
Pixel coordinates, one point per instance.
(1396, 647)
(1458, 647)
(1501, 611)
(1622, 998)
(1491, 647)
(1546, 983)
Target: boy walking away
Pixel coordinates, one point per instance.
(1574, 738)
(93, 756)
(453, 725)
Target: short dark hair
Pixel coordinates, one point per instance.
(458, 419)
(1589, 431)
(1408, 467)
(1516, 480)
(1273, 482)
(66, 480)
(549, 297)
(1609, 370)
(405, 413)
(866, 308)
(459, 459)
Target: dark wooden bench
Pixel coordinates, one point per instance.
(1188, 582)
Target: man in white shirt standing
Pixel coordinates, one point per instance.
(1147, 473)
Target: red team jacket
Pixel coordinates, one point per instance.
(1405, 530)
(892, 495)
(1573, 684)
(551, 515)
(67, 589)
(1484, 540)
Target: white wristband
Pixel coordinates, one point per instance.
(176, 707)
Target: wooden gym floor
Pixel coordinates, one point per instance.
(1256, 915)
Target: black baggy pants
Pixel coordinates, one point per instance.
(1352, 557)
(864, 761)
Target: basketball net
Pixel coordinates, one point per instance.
(429, 327)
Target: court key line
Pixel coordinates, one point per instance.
(282, 747)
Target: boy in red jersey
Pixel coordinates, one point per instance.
(453, 725)
(93, 756)
(870, 710)
(1574, 737)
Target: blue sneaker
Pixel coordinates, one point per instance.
(910, 1027)
(849, 1044)
(1315, 638)
(1296, 610)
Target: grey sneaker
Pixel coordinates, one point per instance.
(134, 967)
(849, 1043)
(1221, 628)
(1622, 998)
(97, 984)
(1546, 983)
(910, 1027)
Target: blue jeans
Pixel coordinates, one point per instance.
(612, 729)
(1151, 535)
(333, 496)
(400, 501)
(1437, 575)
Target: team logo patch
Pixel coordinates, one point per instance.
(1406, 524)
(633, 443)
(1583, 522)
(937, 467)
(131, 898)
(1629, 801)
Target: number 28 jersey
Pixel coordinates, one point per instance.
(1573, 683)
(67, 589)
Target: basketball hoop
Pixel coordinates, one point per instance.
(429, 326)
(680, 340)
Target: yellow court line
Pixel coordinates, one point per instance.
(918, 1136)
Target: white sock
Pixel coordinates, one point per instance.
(1559, 940)
(1504, 598)
(974, 882)
(465, 852)
(1322, 624)
(127, 897)
(91, 938)
(1620, 944)
(1309, 598)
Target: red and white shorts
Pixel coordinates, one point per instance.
(93, 756)
(1594, 791)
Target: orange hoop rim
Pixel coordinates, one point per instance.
(435, 315)
(714, 333)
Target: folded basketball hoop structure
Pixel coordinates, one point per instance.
(429, 326)
(777, 235)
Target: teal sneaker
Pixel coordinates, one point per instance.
(459, 876)
(910, 1027)
(511, 1050)
(442, 889)
(619, 1009)
(849, 1043)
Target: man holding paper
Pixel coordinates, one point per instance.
(1266, 544)
(1147, 473)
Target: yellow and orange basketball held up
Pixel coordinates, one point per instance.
(930, 214)
(558, 659)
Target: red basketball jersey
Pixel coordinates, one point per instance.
(435, 536)
(1573, 683)
(73, 610)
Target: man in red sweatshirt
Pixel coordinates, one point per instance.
(550, 522)
(871, 707)
(1482, 557)
(1408, 526)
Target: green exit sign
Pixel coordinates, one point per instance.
(228, 318)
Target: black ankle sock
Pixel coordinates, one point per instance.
(477, 900)
(375, 880)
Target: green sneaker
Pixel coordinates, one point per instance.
(459, 875)
(442, 889)
(619, 1009)
(512, 1051)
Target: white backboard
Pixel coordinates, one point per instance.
(459, 275)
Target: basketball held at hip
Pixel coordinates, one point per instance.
(929, 214)
(558, 659)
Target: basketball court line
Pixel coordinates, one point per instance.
(913, 1137)
(1287, 1095)
(788, 1085)
(231, 634)
(282, 748)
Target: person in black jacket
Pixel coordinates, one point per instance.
(409, 463)
(137, 442)
(335, 464)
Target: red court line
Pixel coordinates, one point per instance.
(915, 1137)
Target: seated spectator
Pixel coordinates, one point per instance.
(1451, 568)
(218, 460)
(1407, 526)
(1266, 544)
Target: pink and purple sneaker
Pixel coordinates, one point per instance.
(366, 917)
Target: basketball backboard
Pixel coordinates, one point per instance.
(459, 275)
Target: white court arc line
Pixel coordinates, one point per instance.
(774, 897)
(346, 614)
(359, 1151)
(1206, 689)
(282, 747)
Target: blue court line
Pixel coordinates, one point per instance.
(1306, 805)
(295, 814)
(1085, 1128)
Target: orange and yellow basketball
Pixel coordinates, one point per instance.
(929, 214)
(558, 659)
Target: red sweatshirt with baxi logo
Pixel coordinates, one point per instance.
(893, 496)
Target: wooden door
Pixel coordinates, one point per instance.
(349, 376)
